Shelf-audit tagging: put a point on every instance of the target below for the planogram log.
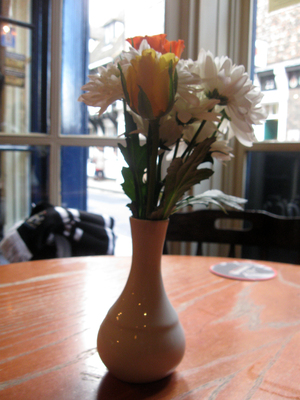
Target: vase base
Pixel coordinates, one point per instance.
(137, 356)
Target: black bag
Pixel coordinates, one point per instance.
(52, 232)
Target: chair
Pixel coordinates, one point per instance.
(256, 228)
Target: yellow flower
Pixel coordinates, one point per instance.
(150, 84)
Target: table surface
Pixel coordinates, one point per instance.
(243, 338)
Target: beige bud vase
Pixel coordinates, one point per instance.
(141, 339)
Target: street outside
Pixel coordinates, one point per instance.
(105, 196)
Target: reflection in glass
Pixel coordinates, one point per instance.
(15, 66)
(110, 24)
(23, 181)
(16, 9)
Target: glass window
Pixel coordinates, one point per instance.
(110, 24)
(273, 185)
(105, 194)
(267, 81)
(16, 9)
(100, 178)
(103, 188)
(294, 77)
(24, 66)
(86, 178)
(30, 184)
(16, 79)
(24, 164)
(277, 68)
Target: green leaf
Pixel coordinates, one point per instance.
(144, 105)
(124, 85)
(128, 184)
(133, 186)
(134, 154)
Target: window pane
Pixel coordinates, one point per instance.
(105, 194)
(102, 186)
(15, 67)
(277, 69)
(16, 9)
(273, 185)
(110, 24)
(91, 177)
(23, 181)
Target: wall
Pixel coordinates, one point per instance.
(281, 30)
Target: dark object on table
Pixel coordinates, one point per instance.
(52, 232)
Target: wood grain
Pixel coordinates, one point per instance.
(243, 338)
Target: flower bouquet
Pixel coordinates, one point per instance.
(187, 111)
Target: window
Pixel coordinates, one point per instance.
(273, 168)
(294, 77)
(48, 139)
(277, 68)
(24, 165)
(267, 81)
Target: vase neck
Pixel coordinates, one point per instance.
(144, 298)
(148, 239)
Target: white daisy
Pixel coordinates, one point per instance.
(221, 151)
(231, 85)
(169, 130)
(188, 82)
(203, 111)
(103, 89)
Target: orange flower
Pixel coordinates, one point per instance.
(159, 43)
(174, 47)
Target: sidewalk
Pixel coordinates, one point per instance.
(109, 185)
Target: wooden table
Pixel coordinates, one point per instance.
(243, 338)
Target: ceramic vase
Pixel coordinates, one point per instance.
(141, 339)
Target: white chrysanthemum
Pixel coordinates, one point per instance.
(104, 89)
(221, 151)
(242, 120)
(132, 52)
(188, 82)
(169, 130)
(231, 85)
(186, 111)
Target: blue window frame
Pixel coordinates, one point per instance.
(74, 113)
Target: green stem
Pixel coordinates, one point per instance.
(169, 207)
(153, 142)
(193, 141)
(224, 116)
(176, 149)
